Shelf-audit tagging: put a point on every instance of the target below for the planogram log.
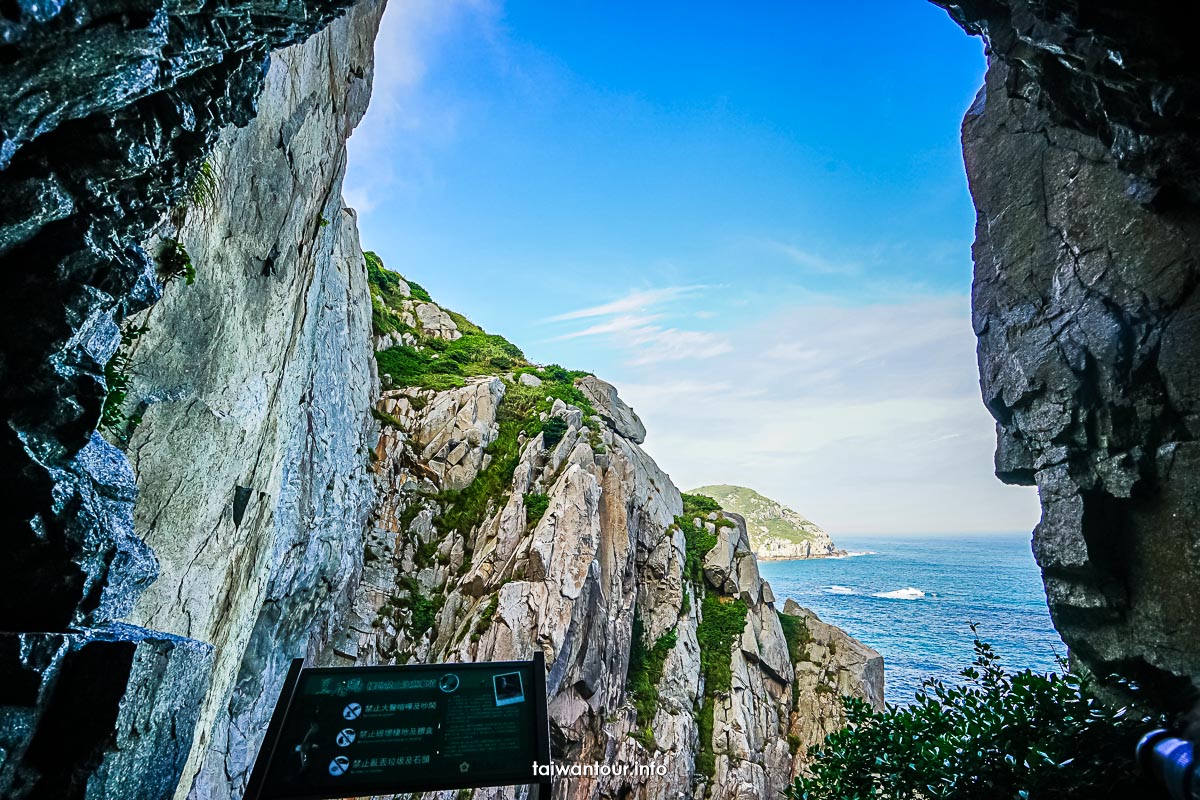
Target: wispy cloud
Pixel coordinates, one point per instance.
(637, 300)
(866, 418)
(635, 324)
(815, 262)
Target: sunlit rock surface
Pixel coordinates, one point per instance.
(570, 583)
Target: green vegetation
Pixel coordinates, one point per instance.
(174, 262)
(698, 505)
(761, 512)
(386, 418)
(646, 666)
(424, 609)
(553, 431)
(723, 620)
(999, 735)
(485, 617)
(797, 636)
(697, 542)
(535, 508)
(418, 291)
(113, 419)
(205, 188)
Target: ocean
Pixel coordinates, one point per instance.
(913, 598)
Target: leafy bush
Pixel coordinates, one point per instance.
(174, 262)
(535, 507)
(999, 735)
(722, 622)
(697, 542)
(553, 431)
(646, 666)
(698, 505)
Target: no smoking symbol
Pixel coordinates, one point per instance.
(339, 766)
(352, 711)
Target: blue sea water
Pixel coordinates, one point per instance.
(913, 598)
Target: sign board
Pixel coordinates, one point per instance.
(354, 731)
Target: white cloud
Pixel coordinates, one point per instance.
(638, 300)
(867, 419)
(815, 262)
(632, 325)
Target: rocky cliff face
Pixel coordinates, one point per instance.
(1081, 153)
(253, 387)
(109, 111)
(777, 533)
(510, 520)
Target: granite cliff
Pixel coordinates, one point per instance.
(777, 533)
(1082, 159)
(516, 512)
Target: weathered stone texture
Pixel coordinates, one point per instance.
(570, 584)
(1087, 316)
(255, 386)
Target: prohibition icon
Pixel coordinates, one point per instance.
(346, 737)
(352, 711)
(339, 766)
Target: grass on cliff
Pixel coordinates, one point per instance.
(646, 666)
(998, 735)
(722, 621)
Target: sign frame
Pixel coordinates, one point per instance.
(542, 786)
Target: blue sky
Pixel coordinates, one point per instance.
(752, 218)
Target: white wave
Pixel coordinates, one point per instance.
(901, 594)
(840, 590)
(854, 553)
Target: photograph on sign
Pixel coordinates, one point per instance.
(508, 689)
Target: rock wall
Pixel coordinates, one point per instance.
(604, 568)
(109, 111)
(1081, 152)
(254, 387)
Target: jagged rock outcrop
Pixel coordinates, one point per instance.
(1081, 153)
(509, 521)
(109, 112)
(777, 533)
(255, 423)
(830, 664)
(616, 413)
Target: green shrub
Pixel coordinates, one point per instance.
(553, 431)
(999, 735)
(722, 623)
(697, 542)
(174, 262)
(646, 666)
(485, 617)
(698, 505)
(535, 507)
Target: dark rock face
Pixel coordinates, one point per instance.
(109, 109)
(104, 714)
(1121, 71)
(1088, 319)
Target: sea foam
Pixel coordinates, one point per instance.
(840, 590)
(901, 594)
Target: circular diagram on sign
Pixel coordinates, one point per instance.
(352, 711)
(346, 737)
(339, 766)
(448, 682)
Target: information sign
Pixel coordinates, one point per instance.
(354, 731)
